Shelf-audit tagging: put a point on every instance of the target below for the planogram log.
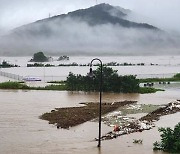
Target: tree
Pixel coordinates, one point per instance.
(39, 57)
(112, 82)
(170, 140)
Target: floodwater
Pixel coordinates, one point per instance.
(21, 130)
(167, 66)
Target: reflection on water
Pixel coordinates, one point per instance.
(21, 131)
(107, 97)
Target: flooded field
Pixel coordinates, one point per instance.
(21, 130)
(167, 66)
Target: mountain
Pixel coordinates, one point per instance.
(101, 29)
(97, 15)
(105, 14)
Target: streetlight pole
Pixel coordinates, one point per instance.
(100, 98)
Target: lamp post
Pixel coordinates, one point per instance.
(100, 97)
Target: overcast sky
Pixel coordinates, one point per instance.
(14, 13)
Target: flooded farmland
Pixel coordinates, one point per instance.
(21, 130)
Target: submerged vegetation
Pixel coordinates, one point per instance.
(144, 90)
(59, 86)
(5, 64)
(40, 65)
(64, 57)
(112, 82)
(170, 140)
(13, 85)
(19, 85)
(176, 77)
(55, 87)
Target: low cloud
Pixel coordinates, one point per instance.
(14, 13)
(72, 36)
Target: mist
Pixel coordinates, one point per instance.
(14, 13)
(72, 37)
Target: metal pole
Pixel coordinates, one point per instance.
(100, 101)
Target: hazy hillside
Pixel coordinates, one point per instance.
(102, 29)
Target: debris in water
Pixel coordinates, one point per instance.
(125, 126)
(137, 141)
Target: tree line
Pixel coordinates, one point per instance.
(112, 82)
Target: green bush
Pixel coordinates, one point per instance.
(170, 140)
(55, 87)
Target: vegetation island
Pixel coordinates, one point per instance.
(64, 57)
(39, 57)
(5, 64)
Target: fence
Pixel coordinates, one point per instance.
(12, 76)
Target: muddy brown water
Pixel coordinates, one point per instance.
(21, 131)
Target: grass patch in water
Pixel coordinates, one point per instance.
(13, 85)
(146, 90)
(176, 77)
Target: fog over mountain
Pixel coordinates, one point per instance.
(98, 30)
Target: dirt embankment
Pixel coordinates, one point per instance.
(72, 116)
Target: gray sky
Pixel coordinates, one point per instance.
(14, 13)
